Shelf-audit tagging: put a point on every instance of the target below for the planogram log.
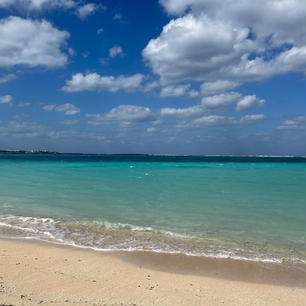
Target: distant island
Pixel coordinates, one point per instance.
(169, 156)
(28, 152)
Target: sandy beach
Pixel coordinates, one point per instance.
(37, 273)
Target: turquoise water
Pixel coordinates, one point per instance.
(250, 208)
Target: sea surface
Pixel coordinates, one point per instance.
(250, 208)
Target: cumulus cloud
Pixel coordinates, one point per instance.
(209, 104)
(117, 16)
(178, 91)
(24, 104)
(211, 88)
(71, 51)
(125, 115)
(296, 123)
(37, 5)
(95, 82)
(18, 128)
(151, 85)
(194, 110)
(69, 122)
(115, 51)
(80, 9)
(151, 129)
(191, 48)
(252, 118)
(49, 107)
(221, 100)
(32, 43)
(215, 120)
(67, 108)
(224, 40)
(249, 102)
(8, 77)
(7, 99)
(281, 20)
(100, 31)
(88, 9)
(85, 54)
(259, 69)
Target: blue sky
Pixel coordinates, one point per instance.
(168, 76)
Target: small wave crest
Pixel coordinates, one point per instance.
(136, 228)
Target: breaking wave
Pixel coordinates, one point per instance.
(106, 236)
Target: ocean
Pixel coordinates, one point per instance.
(251, 208)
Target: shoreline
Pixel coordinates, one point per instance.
(174, 242)
(35, 271)
(247, 270)
(219, 268)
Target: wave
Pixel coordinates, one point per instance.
(101, 235)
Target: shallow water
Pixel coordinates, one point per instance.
(239, 207)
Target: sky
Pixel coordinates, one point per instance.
(157, 77)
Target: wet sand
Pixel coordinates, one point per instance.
(37, 273)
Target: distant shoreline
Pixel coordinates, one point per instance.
(45, 152)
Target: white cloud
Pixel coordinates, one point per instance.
(71, 51)
(18, 128)
(252, 118)
(69, 122)
(178, 7)
(239, 41)
(178, 91)
(193, 93)
(37, 5)
(49, 107)
(151, 129)
(215, 120)
(87, 9)
(7, 99)
(211, 88)
(191, 48)
(114, 51)
(296, 123)
(194, 110)
(85, 54)
(158, 121)
(67, 108)
(221, 100)
(207, 105)
(260, 69)
(151, 85)
(7, 78)
(31, 43)
(249, 102)
(117, 16)
(80, 9)
(95, 82)
(24, 104)
(280, 20)
(100, 31)
(125, 115)
(174, 91)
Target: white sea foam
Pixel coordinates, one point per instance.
(137, 228)
(55, 231)
(18, 227)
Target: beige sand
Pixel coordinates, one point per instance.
(43, 274)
